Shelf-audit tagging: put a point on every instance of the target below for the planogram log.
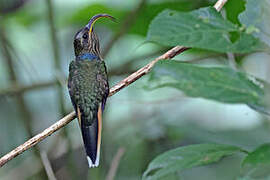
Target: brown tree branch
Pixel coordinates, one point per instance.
(122, 84)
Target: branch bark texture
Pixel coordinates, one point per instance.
(122, 84)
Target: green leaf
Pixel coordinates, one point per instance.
(256, 19)
(186, 157)
(204, 28)
(257, 163)
(233, 9)
(259, 156)
(217, 83)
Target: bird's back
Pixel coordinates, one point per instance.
(88, 85)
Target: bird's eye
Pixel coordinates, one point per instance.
(85, 36)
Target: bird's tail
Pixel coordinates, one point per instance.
(92, 137)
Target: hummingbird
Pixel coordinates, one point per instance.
(89, 88)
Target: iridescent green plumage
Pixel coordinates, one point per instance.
(88, 85)
(88, 88)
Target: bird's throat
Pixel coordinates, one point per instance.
(87, 56)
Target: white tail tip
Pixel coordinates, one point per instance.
(91, 164)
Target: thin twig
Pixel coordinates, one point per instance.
(47, 165)
(219, 4)
(68, 118)
(232, 62)
(115, 163)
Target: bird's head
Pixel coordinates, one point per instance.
(85, 40)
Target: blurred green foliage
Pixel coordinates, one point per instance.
(257, 164)
(146, 124)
